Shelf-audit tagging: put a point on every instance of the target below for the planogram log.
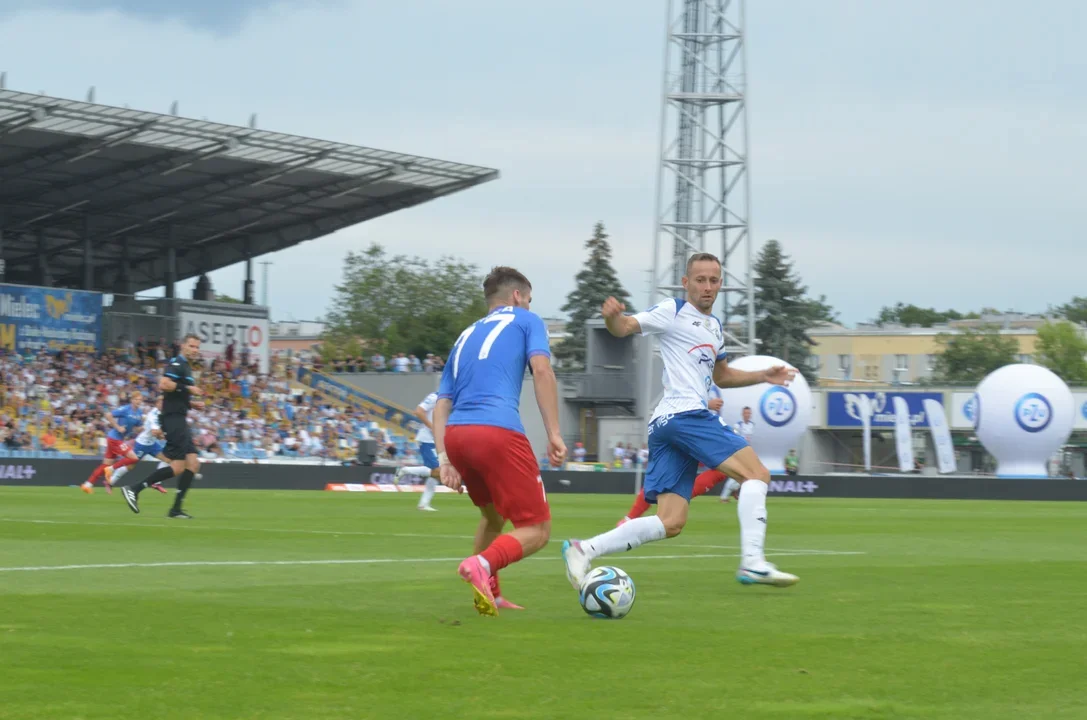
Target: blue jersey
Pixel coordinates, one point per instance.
(486, 368)
(127, 417)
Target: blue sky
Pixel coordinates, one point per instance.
(925, 151)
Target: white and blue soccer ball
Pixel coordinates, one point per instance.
(607, 592)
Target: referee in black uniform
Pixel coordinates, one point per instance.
(178, 388)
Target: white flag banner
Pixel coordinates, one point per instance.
(903, 434)
(941, 436)
(864, 406)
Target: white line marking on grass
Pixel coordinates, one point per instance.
(343, 561)
(192, 528)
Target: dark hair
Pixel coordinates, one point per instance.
(747, 407)
(502, 280)
(700, 257)
(190, 335)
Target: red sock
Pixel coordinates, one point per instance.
(705, 481)
(504, 551)
(639, 507)
(125, 462)
(97, 473)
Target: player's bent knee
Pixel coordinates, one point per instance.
(673, 526)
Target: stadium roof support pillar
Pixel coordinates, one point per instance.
(247, 287)
(88, 254)
(2, 263)
(126, 267)
(45, 278)
(171, 266)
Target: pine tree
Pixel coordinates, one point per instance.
(783, 311)
(596, 281)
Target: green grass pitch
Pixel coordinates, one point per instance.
(315, 605)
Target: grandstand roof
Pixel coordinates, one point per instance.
(139, 182)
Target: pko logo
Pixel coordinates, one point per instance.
(970, 410)
(1033, 412)
(778, 406)
(1083, 411)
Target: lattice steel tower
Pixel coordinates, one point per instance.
(703, 190)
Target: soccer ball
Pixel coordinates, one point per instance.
(607, 592)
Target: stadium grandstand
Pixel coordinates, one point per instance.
(99, 203)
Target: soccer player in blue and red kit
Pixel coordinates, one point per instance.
(123, 423)
(479, 437)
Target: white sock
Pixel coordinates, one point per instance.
(120, 473)
(486, 565)
(730, 487)
(161, 465)
(751, 510)
(627, 536)
(428, 492)
(416, 470)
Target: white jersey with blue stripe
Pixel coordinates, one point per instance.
(691, 344)
(150, 424)
(425, 435)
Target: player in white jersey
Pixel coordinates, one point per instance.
(149, 443)
(746, 428)
(425, 440)
(683, 431)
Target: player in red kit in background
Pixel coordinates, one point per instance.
(479, 437)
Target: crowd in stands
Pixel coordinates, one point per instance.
(59, 403)
(399, 363)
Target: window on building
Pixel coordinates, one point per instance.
(845, 366)
(813, 362)
(1028, 359)
(930, 363)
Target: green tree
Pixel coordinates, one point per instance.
(971, 355)
(595, 281)
(911, 314)
(220, 297)
(400, 304)
(783, 311)
(1063, 349)
(1074, 311)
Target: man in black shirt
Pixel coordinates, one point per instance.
(178, 388)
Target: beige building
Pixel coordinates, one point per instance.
(903, 354)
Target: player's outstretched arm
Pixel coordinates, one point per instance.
(446, 472)
(547, 397)
(618, 324)
(420, 415)
(729, 377)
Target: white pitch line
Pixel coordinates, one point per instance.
(193, 528)
(363, 533)
(346, 561)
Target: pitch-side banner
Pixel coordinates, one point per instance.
(36, 318)
(864, 408)
(220, 324)
(903, 434)
(941, 436)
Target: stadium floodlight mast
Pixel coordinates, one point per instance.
(703, 187)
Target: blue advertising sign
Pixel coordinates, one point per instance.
(36, 318)
(843, 408)
(359, 398)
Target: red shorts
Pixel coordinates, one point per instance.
(116, 449)
(498, 466)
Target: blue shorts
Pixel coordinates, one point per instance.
(430, 455)
(678, 443)
(145, 450)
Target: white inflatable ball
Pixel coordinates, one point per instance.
(780, 414)
(1022, 414)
